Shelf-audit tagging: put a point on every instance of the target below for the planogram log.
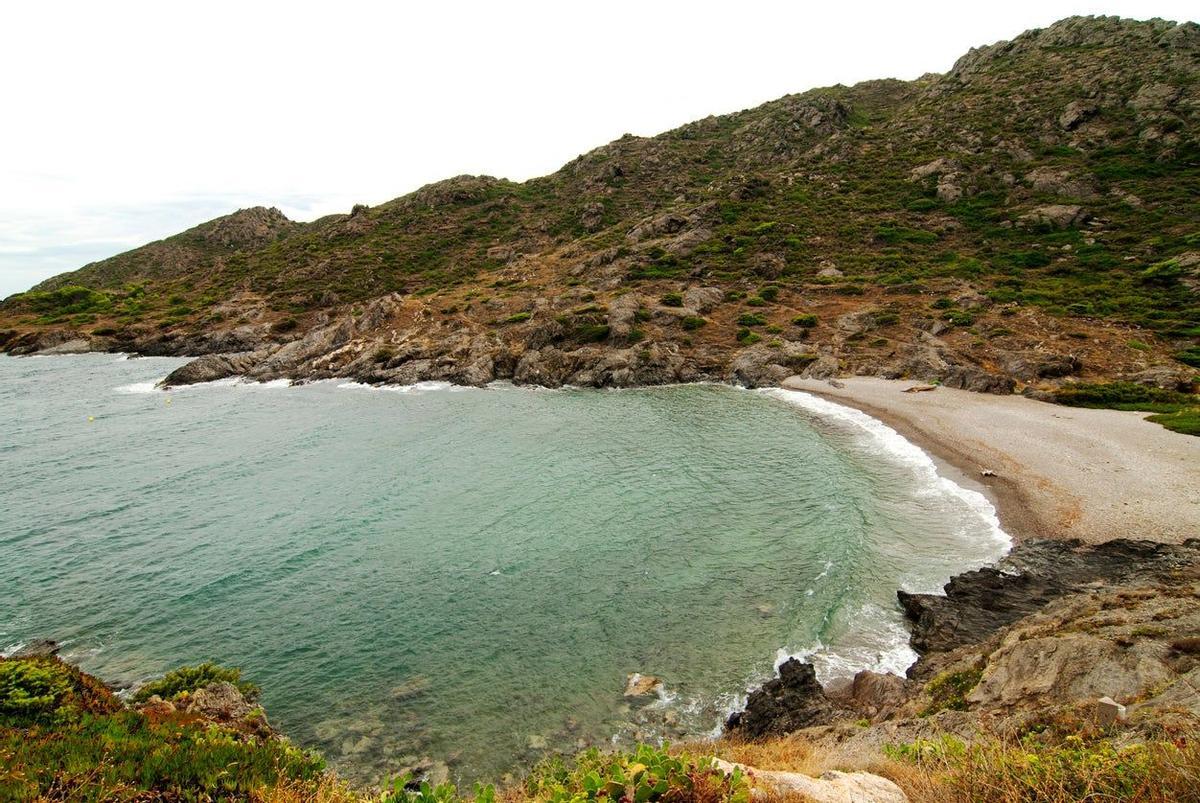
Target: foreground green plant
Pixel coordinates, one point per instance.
(29, 689)
(63, 735)
(646, 775)
(127, 756)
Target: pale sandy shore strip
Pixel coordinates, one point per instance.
(1060, 472)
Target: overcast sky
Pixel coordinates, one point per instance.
(125, 122)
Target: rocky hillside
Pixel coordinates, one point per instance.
(1029, 217)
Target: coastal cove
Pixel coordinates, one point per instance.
(685, 542)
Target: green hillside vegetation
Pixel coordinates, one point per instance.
(1044, 194)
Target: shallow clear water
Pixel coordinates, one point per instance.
(462, 574)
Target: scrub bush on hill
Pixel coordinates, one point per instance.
(1178, 412)
(28, 689)
(127, 756)
(64, 736)
(188, 679)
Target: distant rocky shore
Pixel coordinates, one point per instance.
(361, 344)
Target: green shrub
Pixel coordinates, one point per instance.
(1166, 272)
(755, 301)
(67, 300)
(590, 333)
(126, 756)
(769, 293)
(959, 318)
(895, 233)
(29, 689)
(672, 300)
(799, 361)
(948, 690)
(1189, 356)
(751, 319)
(1123, 396)
(1185, 422)
(518, 317)
(692, 322)
(646, 775)
(747, 338)
(1026, 259)
(1178, 412)
(285, 325)
(188, 679)
(805, 321)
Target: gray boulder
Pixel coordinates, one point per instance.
(1075, 114)
(702, 299)
(970, 377)
(212, 367)
(1060, 216)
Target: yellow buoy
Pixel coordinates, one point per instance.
(91, 418)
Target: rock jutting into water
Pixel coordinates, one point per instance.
(1036, 572)
(950, 630)
(792, 701)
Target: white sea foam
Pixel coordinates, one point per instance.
(228, 382)
(417, 388)
(140, 387)
(881, 639)
(894, 445)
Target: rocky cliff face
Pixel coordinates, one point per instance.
(1026, 219)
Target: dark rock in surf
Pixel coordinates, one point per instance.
(792, 701)
(40, 648)
(978, 603)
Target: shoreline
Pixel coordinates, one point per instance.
(1058, 472)
(1050, 471)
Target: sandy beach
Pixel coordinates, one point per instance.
(1059, 472)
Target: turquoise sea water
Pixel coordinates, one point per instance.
(462, 574)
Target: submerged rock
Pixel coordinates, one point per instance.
(41, 648)
(639, 685)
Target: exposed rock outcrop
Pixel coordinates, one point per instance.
(1036, 572)
(831, 787)
(789, 702)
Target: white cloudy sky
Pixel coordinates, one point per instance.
(128, 121)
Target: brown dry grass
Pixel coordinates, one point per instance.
(328, 789)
